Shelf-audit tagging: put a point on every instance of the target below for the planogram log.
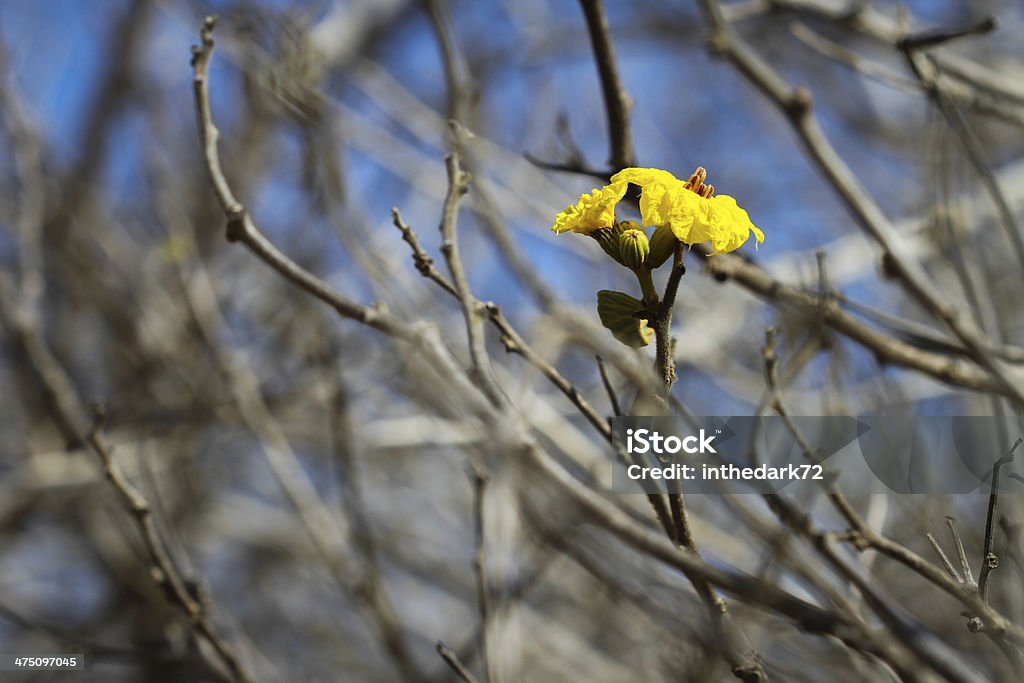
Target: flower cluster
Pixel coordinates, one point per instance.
(680, 212)
(690, 210)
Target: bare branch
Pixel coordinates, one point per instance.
(68, 415)
(452, 660)
(617, 102)
(796, 104)
(989, 560)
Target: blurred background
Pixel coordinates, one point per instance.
(313, 483)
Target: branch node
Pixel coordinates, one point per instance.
(799, 103)
(234, 231)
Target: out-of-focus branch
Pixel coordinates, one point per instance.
(796, 104)
(869, 19)
(510, 337)
(802, 524)
(851, 59)
(240, 228)
(371, 587)
(609, 388)
(483, 601)
(569, 167)
(452, 660)
(68, 415)
(514, 343)
(472, 309)
(922, 40)
(887, 349)
(617, 102)
(959, 93)
(750, 590)
(461, 88)
(924, 69)
(108, 98)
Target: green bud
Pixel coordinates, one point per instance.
(619, 313)
(633, 246)
(608, 238)
(663, 244)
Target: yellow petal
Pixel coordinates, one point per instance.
(687, 216)
(592, 211)
(644, 176)
(656, 185)
(728, 225)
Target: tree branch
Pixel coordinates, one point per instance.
(796, 104)
(617, 102)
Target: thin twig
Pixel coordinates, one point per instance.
(848, 57)
(961, 553)
(461, 89)
(240, 227)
(479, 481)
(958, 91)
(933, 38)
(863, 537)
(609, 389)
(452, 660)
(472, 309)
(887, 349)
(989, 560)
(424, 264)
(946, 564)
(575, 167)
(802, 524)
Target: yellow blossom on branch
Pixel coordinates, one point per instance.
(689, 209)
(593, 211)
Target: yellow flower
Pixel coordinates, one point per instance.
(593, 211)
(729, 225)
(690, 209)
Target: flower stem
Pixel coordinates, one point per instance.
(650, 294)
(666, 362)
(666, 365)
